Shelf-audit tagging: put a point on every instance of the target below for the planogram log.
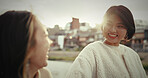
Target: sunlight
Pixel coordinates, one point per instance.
(100, 20)
(59, 13)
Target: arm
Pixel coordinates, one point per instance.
(135, 64)
(83, 66)
(140, 68)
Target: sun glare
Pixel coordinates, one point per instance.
(100, 20)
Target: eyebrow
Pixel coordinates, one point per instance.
(121, 23)
(111, 22)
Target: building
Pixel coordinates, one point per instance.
(75, 24)
(140, 37)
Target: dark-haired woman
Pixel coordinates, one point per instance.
(110, 59)
(24, 45)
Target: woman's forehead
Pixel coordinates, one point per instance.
(42, 29)
(113, 18)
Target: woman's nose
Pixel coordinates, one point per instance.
(49, 42)
(113, 29)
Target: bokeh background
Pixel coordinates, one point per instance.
(72, 24)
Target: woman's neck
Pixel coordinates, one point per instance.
(109, 43)
(32, 71)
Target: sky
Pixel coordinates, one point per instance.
(60, 12)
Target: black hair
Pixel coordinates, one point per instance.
(14, 37)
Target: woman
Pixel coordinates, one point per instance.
(24, 46)
(110, 59)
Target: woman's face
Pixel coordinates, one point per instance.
(40, 55)
(113, 30)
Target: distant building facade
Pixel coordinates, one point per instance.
(75, 24)
(78, 35)
(140, 38)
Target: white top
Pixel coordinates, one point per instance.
(99, 60)
(43, 73)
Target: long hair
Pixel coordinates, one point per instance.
(14, 38)
(126, 16)
(30, 46)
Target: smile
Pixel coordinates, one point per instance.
(112, 35)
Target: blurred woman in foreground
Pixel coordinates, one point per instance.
(24, 46)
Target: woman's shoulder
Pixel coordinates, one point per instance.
(45, 73)
(91, 49)
(95, 44)
(128, 50)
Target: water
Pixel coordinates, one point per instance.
(58, 68)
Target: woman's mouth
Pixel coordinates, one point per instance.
(113, 36)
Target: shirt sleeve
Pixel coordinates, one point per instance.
(140, 68)
(135, 65)
(83, 66)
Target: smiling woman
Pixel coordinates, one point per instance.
(24, 46)
(110, 59)
(114, 30)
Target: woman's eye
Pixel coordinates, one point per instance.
(120, 26)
